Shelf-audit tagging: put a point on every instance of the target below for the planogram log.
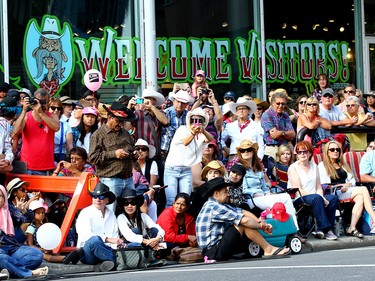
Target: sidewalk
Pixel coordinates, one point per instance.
(312, 245)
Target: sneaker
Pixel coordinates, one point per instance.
(105, 266)
(318, 234)
(74, 257)
(330, 235)
(4, 274)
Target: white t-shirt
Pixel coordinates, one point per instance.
(86, 142)
(307, 179)
(153, 170)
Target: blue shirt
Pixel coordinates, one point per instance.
(213, 220)
(269, 120)
(174, 122)
(254, 182)
(367, 164)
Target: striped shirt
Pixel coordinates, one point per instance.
(148, 128)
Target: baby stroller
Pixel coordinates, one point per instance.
(283, 234)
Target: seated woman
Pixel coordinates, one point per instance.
(137, 228)
(19, 202)
(255, 188)
(78, 164)
(236, 196)
(179, 225)
(19, 260)
(304, 175)
(333, 170)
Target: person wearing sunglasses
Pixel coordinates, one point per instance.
(137, 228)
(333, 170)
(299, 108)
(358, 140)
(349, 91)
(97, 231)
(311, 120)
(76, 166)
(370, 101)
(63, 137)
(304, 175)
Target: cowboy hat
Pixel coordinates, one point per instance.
(197, 112)
(102, 189)
(151, 148)
(215, 184)
(247, 144)
(263, 104)
(181, 96)
(225, 108)
(130, 194)
(213, 165)
(51, 29)
(120, 111)
(14, 184)
(243, 101)
(149, 93)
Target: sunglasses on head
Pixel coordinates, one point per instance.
(130, 202)
(336, 149)
(100, 197)
(55, 107)
(142, 149)
(243, 150)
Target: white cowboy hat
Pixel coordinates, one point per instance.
(151, 148)
(225, 109)
(243, 101)
(198, 112)
(149, 93)
(51, 29)
(182, 96)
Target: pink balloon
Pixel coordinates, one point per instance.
(93, 79)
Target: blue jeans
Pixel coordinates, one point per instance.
(178, 179)
(96, 251)
(38, 173)
(152, 233)
(117, 186)
(20, 260)
(325, 216)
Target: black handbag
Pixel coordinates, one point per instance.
(131, 258)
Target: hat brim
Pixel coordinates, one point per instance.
(206, 168)
(191, 113)
(17, 185)
(130, 115)
(209, 189)
(265, 105)
(250, 104)
(110, 195)
(255, 146)
(159, 97)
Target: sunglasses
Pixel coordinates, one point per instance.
(350, 105)
(350, 91)
(302, 102)
(302, 152)
(55, 107)
(132, 202)
(336, 149)
(327, 96)
(210, 146)
(280, 103)
(243, 150)
(100, 197)
(144, 149)
(196, 121)
(260, 108)
(227, 98)
(311, 104)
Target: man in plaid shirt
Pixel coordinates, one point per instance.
(222, 229)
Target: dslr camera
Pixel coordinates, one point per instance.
(33, 101)
(205, 91)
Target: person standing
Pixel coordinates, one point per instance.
(111, 150)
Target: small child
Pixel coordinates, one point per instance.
(39, 209)
(199, 81)
(284, 158)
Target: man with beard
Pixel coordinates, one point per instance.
(112, 150)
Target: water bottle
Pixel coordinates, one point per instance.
(341, 230)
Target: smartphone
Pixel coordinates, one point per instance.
(157, 186)
(139, 100)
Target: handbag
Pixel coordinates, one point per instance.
(130, 258)
(187, 255)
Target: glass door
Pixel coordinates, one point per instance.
(369, 64)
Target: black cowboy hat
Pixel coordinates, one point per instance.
(130, 194)
(120, 111)
(215, 184)
(102, 189)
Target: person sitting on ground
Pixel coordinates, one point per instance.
(137, 228)
(333, 170)
(39, 209)
(19, 260)
(236, 196)
(77, 165)
(304, 175)
(221, 228)
(97, 230)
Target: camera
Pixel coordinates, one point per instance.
(33, 101)
(205, 91)
(139, 100)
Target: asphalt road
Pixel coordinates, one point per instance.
(346, 264)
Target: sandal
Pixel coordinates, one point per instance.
(355, 233)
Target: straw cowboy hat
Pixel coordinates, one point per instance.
(213, 165)
(247, 144)
(263, 104)
(149, 93)
(120, 111)
(243, 101)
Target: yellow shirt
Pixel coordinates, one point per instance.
(358, 141)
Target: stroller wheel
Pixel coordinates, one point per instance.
(255, 250)
(295, 245)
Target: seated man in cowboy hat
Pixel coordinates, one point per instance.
(222, 229)
(112, 150)
(97, 232)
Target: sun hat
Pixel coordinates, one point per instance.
(197, 112)
(263, 104)
(102, 189)
(36, 204)
(181, 96)
(149, 93)
(90, 110)
(243, 101)
(247, 144)
(214, 144)
(14, 184)
(26, 91)
(200, 72)
(215, 184)
(130, 194)
(213, 165)
(120, 111)
(151, 148)
(66, 100)
(279, 212)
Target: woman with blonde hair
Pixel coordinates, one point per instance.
(333, 170)
(284, 158)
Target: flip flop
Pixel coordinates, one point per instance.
(277, 254)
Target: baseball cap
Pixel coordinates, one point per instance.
(279, 212)
(200, 72)
(328, 91)
(230, 95)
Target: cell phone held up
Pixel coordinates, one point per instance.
(139, 100)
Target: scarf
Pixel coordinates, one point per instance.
(244, 125)
(6, 223)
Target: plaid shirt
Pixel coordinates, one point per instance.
(147, 124)
(103, 144)
(269, 120)
(213, 220)
(174, 122)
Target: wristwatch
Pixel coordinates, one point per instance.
(283, 134)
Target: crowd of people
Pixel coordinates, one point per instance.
(181, 169)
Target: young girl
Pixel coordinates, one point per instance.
(284, 158)
(199, 81)
(39, 209)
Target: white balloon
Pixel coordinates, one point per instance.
(48, 236)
